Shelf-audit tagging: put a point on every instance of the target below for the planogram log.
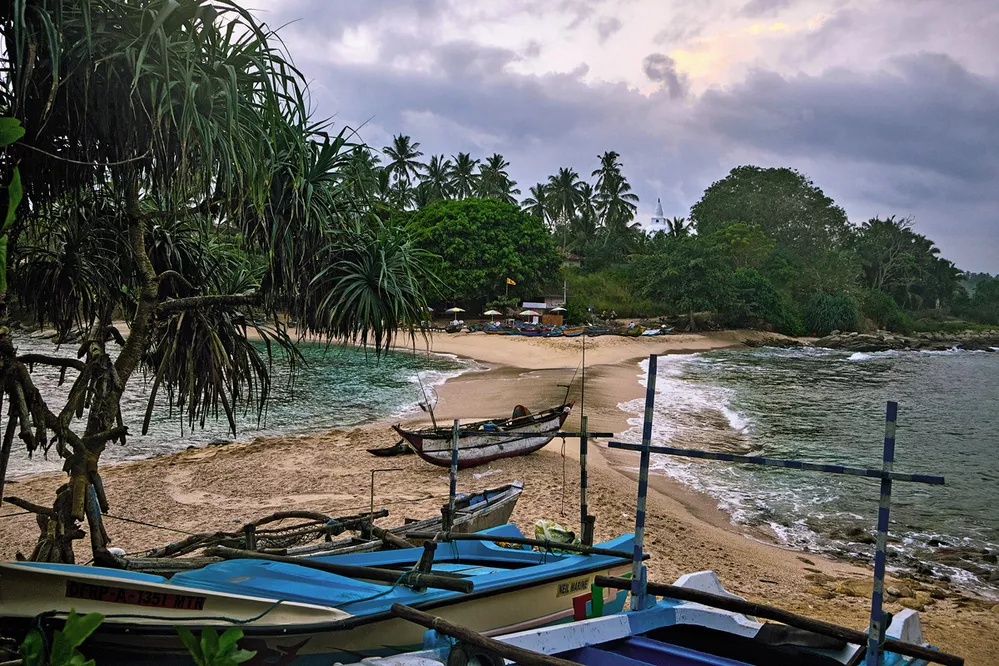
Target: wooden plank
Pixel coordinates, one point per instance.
(505, 650)
(784, 617)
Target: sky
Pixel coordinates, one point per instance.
(890, 106)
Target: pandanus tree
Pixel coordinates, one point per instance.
(172, 179)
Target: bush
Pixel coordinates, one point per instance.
(754, 300)
(609, 289)
(882, 309)
(824, 313)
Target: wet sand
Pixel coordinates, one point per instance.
(221, 487)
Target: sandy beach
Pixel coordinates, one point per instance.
(221, 487)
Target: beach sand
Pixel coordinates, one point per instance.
(222, 487)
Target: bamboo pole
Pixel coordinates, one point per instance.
(785, 617)
(541, 543)
(409, 578)
(505, 650)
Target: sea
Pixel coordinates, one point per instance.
(828, 406)
(333, 386)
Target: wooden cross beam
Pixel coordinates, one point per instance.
(879, 619)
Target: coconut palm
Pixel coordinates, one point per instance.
(609, 167)
(404, 165)
(494, 180)
(536, 202)
(678, 227)
(564, 195)
(158, 129)
(464, 179)
(438, 178)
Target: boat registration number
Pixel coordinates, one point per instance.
(573, 586)
(123, 595)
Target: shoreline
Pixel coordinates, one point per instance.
(215, 487)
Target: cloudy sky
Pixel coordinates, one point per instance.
(890, 106)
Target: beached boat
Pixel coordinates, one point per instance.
(295, 614)
(672, 632)
(473, 512)
(480, 442)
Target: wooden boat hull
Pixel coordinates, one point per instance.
(477, 444)
(141, 613)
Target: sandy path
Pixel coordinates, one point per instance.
(222, 487)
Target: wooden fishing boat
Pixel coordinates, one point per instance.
(672, 632)
(473, 512)
(298, 615)
(480, 442)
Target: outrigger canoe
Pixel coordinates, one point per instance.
(480, 442)
(298, 616)
(676, 633)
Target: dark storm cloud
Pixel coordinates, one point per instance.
(916, 135)
(607, 26)
(661, 68)
(757, 8)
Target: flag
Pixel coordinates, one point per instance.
(510, 281)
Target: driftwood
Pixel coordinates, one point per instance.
(269, 539)
(784, 617)
(390, 539)
(505, 650)
(409, 578)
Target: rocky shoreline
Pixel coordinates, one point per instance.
(987, 341)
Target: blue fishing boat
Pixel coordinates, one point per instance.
(674, 632)
(294, 614)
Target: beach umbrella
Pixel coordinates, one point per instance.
(530, 313)
(558, 309)
(492, 313)
(455, 310)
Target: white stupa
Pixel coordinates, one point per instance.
(658, 222)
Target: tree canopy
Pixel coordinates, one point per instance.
(479, 243)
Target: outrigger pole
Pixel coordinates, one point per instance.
(879, 619)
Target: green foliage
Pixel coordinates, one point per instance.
(753, 300)
(215, 650)
(885, 313)
(607, 290)
(479, 243)
(984, 305)
(65, 641)
(689, 275)
(10, 132)
(808, 228)
(824, 313)
(745, 245)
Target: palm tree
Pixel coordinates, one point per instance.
(438, 178)
(616, 203)
(564, 195)
(464, 179)
(494, 181)
(536, 202)
(584, 226)
(609, 167)
(201, 128)
(678, 227)
(404, 164)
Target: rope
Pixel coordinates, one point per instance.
(380, 594)
(142, 522)
(11, 515)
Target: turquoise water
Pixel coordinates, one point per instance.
(829, 406)
(336, 386)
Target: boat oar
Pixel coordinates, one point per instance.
(407, 578)
(505, 650)
(524, 541)
(784, 617)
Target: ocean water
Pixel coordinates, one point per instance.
(828, 406)
(335, 387)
